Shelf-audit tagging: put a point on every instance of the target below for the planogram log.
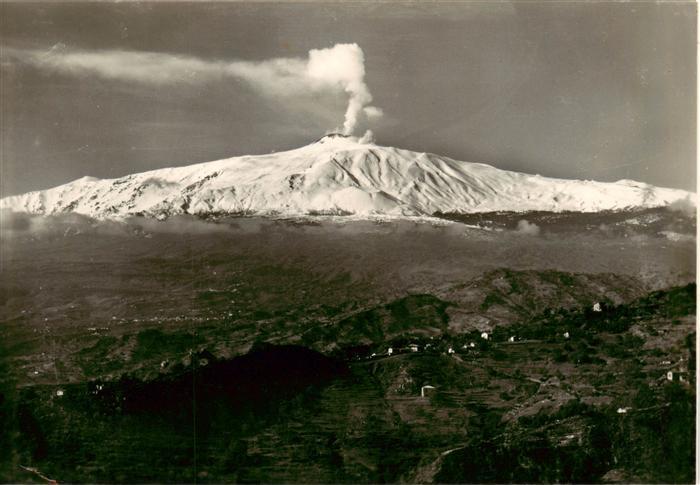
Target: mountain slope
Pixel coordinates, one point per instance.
(336, 175)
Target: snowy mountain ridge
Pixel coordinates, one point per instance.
(336, 175)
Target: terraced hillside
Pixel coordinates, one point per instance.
(576, 395)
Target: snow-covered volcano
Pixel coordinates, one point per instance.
(336, 175)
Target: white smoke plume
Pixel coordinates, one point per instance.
(344, 65)
(687, 206)
(529, 228)
(338, 69)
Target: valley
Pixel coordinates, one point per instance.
(260, 350)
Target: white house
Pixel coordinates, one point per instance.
(597, 307)
(390, 351)
(678, 375)
(413, 347)
(484, 335)
(450, 350)
(424, 389)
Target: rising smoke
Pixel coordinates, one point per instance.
(529, 228)
(344, 65)
(339, 70)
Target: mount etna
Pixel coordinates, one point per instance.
(345, 311)
(340, 175)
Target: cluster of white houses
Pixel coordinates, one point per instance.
(449, 349)
(677, 372)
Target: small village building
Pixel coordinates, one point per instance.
(485, 335)
(450, 350)
(413, 347)
(390, 351)
(597, 307)
(677, 376)
(59, 393)
(426, 391)
(511, 339)
(566, 335)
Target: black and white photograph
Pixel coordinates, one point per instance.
(348, 241)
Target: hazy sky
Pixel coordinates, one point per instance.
(599, 91)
